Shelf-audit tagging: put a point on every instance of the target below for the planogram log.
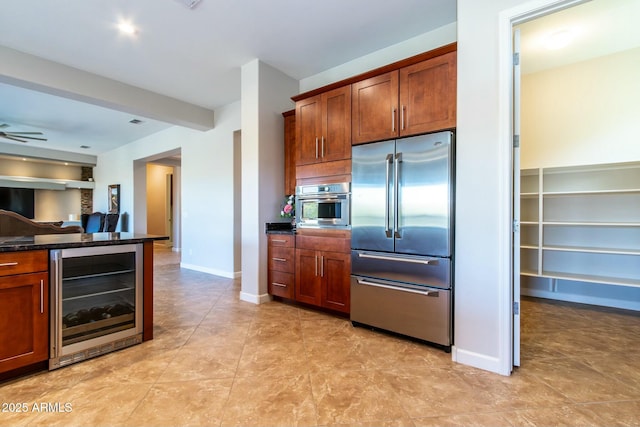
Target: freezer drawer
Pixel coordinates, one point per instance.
(419, 313)
(421, 270)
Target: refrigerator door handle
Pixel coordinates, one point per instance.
(396, 186)
(397, 288)
(427, 261)
(387, 228)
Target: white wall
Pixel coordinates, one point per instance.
(206, 187)
(57, 205)
(580, 114)
(584, 113)
(266, 93)
(411, 47)
(482, 256)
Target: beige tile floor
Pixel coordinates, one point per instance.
(217, 361)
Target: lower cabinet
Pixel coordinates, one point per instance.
(323, 269)
(322, 279)
(312, 267)
(280, 249)
(24, 309)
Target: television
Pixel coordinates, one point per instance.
(18, 200)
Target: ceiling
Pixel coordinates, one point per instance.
(195, 54)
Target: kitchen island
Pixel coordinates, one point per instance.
(28, 300)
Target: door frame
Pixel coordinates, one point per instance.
(507, 20)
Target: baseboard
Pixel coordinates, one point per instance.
(582, 299)
(215, 272)
(255, 299)
(477, 360)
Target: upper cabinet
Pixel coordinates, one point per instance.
(375, 108)
(415, 99)
(323, 127)
(289, 152)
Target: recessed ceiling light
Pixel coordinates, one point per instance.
(558, 39)
(127, 28)
(135, 121)
(85, 146)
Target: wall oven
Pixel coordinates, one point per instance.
(96, 301)
(323, 205)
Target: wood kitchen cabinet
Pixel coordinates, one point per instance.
(24, 309)
(289, 152)
(281, 256)
(323, 269)
(323, 127)
(415, 99)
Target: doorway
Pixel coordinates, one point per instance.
(157, 197)
(565, 106)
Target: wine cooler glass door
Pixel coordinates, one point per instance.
(98, 293)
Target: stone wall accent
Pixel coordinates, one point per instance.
(86, 194)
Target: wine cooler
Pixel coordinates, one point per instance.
(96, 301)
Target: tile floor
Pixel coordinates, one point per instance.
(217, 361)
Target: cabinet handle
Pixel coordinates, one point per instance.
(402, 117)
(322, 151)
(278, 241)
(316, 273)
(41, 296)
(278, 284)
(393, 120)
(322, 266)
(279, 259)
(8, 264)
(316, 147)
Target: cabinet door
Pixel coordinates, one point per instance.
(335, 141)
(308, 130)
(290, 153)
(336, 270)
(428, 95)
(307, 277)
(24, 311)
(374, 113)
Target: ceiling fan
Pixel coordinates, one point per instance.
(19, 136)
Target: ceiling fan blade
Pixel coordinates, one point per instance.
(27, 137)
(12, 138)
(24, 133)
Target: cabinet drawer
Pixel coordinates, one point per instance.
(282, 259)
(281, 284)
(23, 262)
(284, 240)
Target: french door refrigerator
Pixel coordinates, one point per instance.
(402, 236)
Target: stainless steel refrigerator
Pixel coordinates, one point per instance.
(402, 236)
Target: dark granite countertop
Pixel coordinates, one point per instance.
(292, 231)
(279, 228)
(72, 240)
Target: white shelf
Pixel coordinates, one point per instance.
(591, 224)
(593, 250)
(605, 280)
(580, 192)
(588, 223)
(44, 183)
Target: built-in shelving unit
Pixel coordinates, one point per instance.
(581, 223)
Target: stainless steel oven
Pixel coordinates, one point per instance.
(323, 205)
